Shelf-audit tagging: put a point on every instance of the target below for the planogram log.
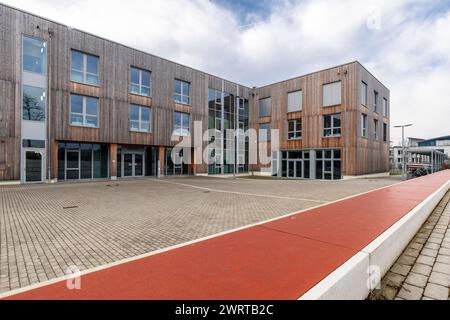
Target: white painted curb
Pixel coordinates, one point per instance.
(352, 280)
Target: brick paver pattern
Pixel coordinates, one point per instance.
(44, 229)
(423, 269)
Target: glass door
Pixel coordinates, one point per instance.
(127, 164)
(138, 164)
(291, 169)
(33, 166)
(72, 164)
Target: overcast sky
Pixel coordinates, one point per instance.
(404, 43)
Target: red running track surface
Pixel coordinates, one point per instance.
(281, 259)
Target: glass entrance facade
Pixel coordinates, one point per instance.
(230, 154)
(33, 166)
(78, 161)
(171, 168)
(322, 164)
(136, 161)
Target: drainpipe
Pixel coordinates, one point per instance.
(49, 145)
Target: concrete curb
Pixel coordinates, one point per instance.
(363, 272)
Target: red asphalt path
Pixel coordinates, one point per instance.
(281, 259)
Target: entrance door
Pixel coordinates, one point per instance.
(138, 165)
(133, 164)
(127, 164)
(291, 169)
(34, 161)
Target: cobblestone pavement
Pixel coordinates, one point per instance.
(423, 269)
(44, 229)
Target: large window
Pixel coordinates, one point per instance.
(375, 101)
(375, 129)
(294, 129)
(84, 68)
(34, 55)
(332, 94)
(385, 107)
(264, 132)
(83, 111)
(33, 104)
(181, 124)
(140, 118)
(140, 82)
(332, 125)
(328, 164)
(181, 92)
(265, 106)
(82, 161)
(294, 101)
(364, 93)
(364, 125)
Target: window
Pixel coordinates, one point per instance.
(83, 111)
(264, 132)
(140, 118)
(332, 125)
(364, 125)
(375, 129)
(385, 107)
(328, 164)
(140, 82)
(332, 94)
(364, 93)
(294, 129)
(34, 55)
(84, 68)
(33, 104)
(181, 92)
(181, 124)
(265, 106)
(375, 101)
(384, 132)
(294, 101)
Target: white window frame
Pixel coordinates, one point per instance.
(84, 114)
(140, 85)
(332, 128)
(385, 107)
(140, 121)
(375, 101)
(364, 93)
(297, 133)
(182, 126)
(294, 108)
(182, 93)
(364, 125)
(333, 100)
(84, 71)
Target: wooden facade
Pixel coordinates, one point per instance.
(360, 155)
(115, 61)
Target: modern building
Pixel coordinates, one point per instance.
(396, 157)
(441, 144)
(77, 106)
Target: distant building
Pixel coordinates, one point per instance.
(396, 157)
(441, 144)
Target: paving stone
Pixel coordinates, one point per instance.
(401, 269)
(417, 280)
(441, 267)
(444, 251)
(430, 245)
(443, 259)
(412, 252)
(394, 279)
(436, 291)
(426, 260)
(406, 260)
(409, 292)
(440, 279)
(429, 252)
(422, 269)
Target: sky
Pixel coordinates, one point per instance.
(404, 43)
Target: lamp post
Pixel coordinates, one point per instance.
(403, 126)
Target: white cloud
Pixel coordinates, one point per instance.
(408, 50)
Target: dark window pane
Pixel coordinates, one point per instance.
(76, 104)
(77, 61)
(336, 170)
(327, 122)
(337, 154)
(33, 166)
(86, 161)
(146, 78)
(92, 64)
(134, 75)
